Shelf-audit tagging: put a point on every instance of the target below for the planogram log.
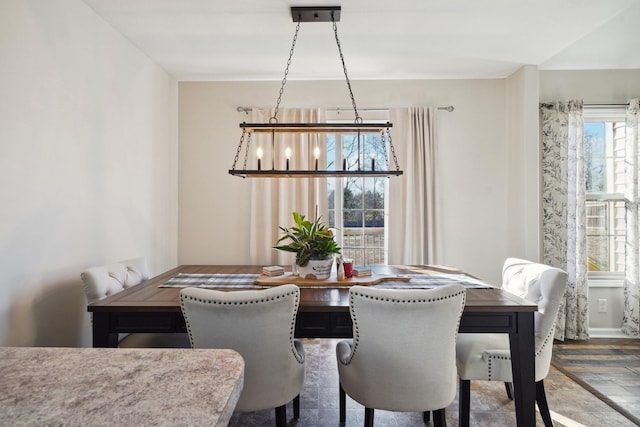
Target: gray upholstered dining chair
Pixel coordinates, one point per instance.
(259, 325)
(488, 357)
(103, 281)
(402, 356)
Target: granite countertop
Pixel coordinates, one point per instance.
(111, 386)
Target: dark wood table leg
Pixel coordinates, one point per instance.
(101, 335)
(523, 368)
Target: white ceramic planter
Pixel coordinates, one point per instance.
(319, 269)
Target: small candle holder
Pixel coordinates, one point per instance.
(259, 155)
(287, 153)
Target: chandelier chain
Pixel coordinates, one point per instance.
(242, 160)
(346, 76)
(235, 159)
(246, 151)
(383, 139)
(393, 151)
(274, 119)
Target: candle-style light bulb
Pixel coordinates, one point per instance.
(287, 154)
(259, 156)
(316, 153)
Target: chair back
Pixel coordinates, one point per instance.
(542, 285)
(100, 282)
(260, 326)
(403, 355)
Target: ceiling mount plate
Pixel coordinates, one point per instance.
(316, 14)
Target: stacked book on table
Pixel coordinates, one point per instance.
(273, 270)
(361, 272)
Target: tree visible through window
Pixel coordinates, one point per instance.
(357, 205)
(604, 151)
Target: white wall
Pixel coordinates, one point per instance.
(88, 169)
(475, 198)
(523, 164)
(595, 87)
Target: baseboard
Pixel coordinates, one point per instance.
(606, 333)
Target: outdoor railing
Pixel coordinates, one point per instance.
(364, 245)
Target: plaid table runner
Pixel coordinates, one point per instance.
(422, 281)
(211, 281)
(417, 281)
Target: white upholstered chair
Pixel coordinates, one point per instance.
(260, 326)
(488, 356)
(101, 282)
(402, 356)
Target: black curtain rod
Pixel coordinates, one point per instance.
(246, 110)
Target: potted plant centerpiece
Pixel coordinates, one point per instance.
(313, 244)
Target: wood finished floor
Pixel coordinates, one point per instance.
(610, 368)
(571, 405)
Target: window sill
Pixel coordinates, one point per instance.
(606, 283)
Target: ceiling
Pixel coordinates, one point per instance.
(214, 40)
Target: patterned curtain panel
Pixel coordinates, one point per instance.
(564, 225)
(631, 315)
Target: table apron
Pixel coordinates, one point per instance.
(489, 322)
(309, 324)
(107, 325)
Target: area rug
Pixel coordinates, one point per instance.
(570, 404)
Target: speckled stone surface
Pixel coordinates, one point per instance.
(100, 386)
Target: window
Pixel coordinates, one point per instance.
(604, 151)
(358, 205)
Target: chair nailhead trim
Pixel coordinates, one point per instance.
(408, 301)
(292, 327)
(257, 301)
(539, 350)
(550, 335)
(490, 365)
(356, 331)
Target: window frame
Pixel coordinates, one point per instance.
(337, 116)
(598, 115)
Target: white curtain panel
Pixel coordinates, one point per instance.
(631, 314)
(413, 232)
(274, 199)
(564, 208)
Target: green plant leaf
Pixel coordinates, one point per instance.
(309, 240)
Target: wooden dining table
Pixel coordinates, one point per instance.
(324, 313)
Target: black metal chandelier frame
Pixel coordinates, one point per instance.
(314, 14)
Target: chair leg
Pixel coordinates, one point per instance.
(509, 388)
(464, 403)
(343, 405)
(368, 417)
(281, 416)
(541, 399)
(439, 418)
(426, 416)
(296, 407)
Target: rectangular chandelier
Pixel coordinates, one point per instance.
(271, 167)
(268, 166)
